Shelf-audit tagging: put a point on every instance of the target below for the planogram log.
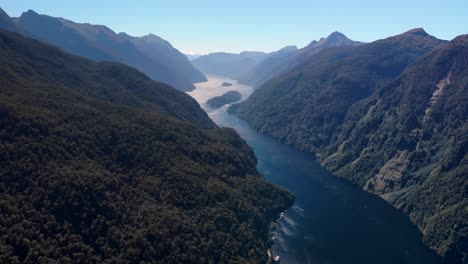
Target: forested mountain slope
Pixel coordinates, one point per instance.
(389, 116)
(408, 143)
(307, 105)
(105, 174)
(116, 83)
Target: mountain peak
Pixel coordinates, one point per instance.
(153, 37)
(333, 40)
(313, 42)
(462, 39)
(123, 34)
(416, 35)
(416, 32)
(288, 48)
(337, 34)
(30, 12)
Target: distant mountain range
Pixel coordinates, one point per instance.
(150, 54)
(270, 66)
(288, 57)
(159, 49)
(255, 68)
(229, 64)
(389, 116)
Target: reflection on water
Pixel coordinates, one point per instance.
(331, 221)
(213, 88)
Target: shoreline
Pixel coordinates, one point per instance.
(245, 91)
(271, 238)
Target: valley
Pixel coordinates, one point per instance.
(331, 221)
(238, 132)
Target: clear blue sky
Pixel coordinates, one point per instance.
(203, 26)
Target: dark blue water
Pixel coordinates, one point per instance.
(331, 221)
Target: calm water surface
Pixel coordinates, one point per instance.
(331, 221)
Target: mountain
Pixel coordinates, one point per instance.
(191, 57)
(271, 66)
(389, 116)
(160, 49)
(289, 57)
(228, 64)
(335, 39)
(107, 81)
(307, 105)
(408, 144)
(101, 164)
(6, 22)
(157, 59)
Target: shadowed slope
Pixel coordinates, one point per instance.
(90, 173)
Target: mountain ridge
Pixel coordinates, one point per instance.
(280, 61)
(160, 49)
(6, 22)
(100, 43)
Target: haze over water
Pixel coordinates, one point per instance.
(331, 221)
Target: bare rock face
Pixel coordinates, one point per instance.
(390, 176)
